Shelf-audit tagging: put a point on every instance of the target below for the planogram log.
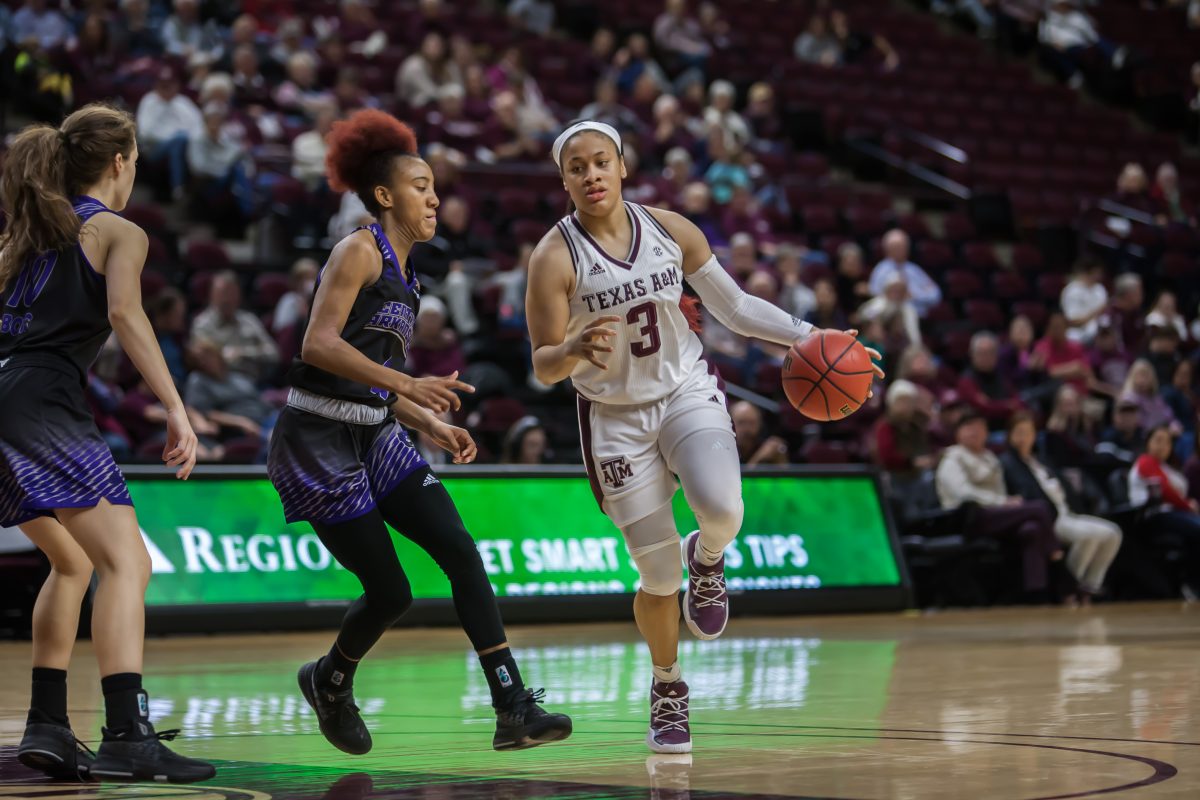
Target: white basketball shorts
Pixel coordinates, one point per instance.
(627, 449)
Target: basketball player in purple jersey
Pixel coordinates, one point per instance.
(341, 461)
(603, 306)
(69, 275)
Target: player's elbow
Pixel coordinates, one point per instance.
(120, 315)
(545, 372)
(313, 348)
(544, 375)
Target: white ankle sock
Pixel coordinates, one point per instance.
(668, 674)
(706, 556)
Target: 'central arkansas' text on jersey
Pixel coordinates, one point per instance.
(654, 350)
(380, 326)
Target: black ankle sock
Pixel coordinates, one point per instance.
(335, 671)
(125, 704)
(48, 702)
(503, 677)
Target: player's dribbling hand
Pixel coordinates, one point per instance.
(437, 394)
(180, 449)
(593, 339)
(875, 355)
(454, 440)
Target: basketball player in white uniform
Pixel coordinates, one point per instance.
(604, 309)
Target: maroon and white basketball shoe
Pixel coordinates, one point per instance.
(705, 602)
(669, 731)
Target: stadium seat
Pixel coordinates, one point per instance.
(153, 282)
(1026, 258)
(199, 286)
(820, 451)
(1009, 286)
(202, 256)
(985, 315)
(962, 284)
(980, 256)
(268, 288)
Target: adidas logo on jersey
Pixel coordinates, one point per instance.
(596, 269)
(430, 480)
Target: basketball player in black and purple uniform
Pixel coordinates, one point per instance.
(341, 460)
(69, 276)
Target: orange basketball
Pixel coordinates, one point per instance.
(827, 376)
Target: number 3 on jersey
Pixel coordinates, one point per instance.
(641, 349)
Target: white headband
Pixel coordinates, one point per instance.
(585, 125)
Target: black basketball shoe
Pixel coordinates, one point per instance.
(337, 715)
(140, 755)
(54, 750)
(524, 723)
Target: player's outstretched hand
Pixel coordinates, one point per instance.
(593, 340)
(455, 441)
(872, 352)
(180, 449)
(437, 394)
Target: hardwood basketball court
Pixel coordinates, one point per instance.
(981, 705)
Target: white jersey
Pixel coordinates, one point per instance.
(654, 350)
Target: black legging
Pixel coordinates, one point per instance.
(426, 516)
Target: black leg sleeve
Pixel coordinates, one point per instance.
(364, 546)
(426, 515)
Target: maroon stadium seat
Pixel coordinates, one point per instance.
(935, 256)
(984, 315)
(820, 220)
(1009, 286)
(958, 228)
(980, 256)
(153, 282)
(819, 451)
(149, 218)
(1050, 285)
(206, 256)
(198, 289)
(962, 284)
(1027, 258)
(268, 288)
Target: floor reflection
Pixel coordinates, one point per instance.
(1021, 704)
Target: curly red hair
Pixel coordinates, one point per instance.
(355, 147)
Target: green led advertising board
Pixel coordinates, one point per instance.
(222, 540)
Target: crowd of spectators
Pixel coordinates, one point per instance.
(234, 103)
(1107, 46)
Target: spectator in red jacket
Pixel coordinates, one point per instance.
(1064, 359)
(902, 445)
(984, 388)
(1153, 482)
(916, 364)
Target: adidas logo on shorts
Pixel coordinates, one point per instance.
(430, 480)
(596, 269)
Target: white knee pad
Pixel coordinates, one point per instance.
(660, 566)
(720, 520)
